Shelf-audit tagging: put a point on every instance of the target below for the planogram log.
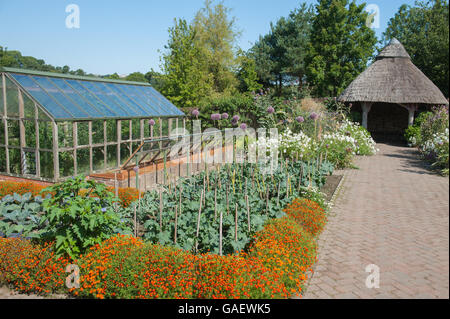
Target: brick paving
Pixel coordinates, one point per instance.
(392, 212)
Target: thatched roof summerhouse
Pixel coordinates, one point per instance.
(392, 79)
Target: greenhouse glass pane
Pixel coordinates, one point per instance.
(60, 97)
(141, 99)
(12, 99)
(167, 105)
(72, 94)
(105, 98)
(141, 109)
(41, 96)
(91, 98)
(118, 100)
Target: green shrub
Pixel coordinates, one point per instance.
(79, 215)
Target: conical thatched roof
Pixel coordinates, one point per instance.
(393, 78)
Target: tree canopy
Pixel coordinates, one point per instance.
(280, 54)
(340, 46)
(423, 29)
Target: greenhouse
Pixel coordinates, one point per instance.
(57, 125)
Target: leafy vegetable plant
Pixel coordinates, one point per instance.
(80, 214)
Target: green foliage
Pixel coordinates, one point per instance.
(80, 214)
(21, 215)
(280, 55)
(266, 193)
(423, 29)
(246, 75)
(136, 77)
(340, 46)
(215, 36)
(236, 104)
(186, 80)
(15, 59)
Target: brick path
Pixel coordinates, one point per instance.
(394, 213)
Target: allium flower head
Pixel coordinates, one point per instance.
(225, 116)
(243, 126)
(314, 116)
(136, 169)
(236, 118)
(270, 110)
(195, 112)
(152, 122)
(216, 117)
(300, 119)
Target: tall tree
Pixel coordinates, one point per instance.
(340, 47)
(186, 81)
(280, 55)
(216, 35)
(423, 29)
(246, 74)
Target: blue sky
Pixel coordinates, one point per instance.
(125, 36)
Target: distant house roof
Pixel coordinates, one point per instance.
(393, 78)
(70, 97)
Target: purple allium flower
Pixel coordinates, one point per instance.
(152, 122)
(314, 116)
(243, 126)
(300, 119)
(195, 112)
(236, 118)
(136, 169)
(225, 116)
(270, 110)
(216, 117)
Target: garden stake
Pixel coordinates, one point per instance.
(181, 193)
(248, 212)
(204, 188)
(253, 178)
(135, 224)
(228, 206)
(278, 195)
(220, 233)
(236, 222)
(198, 222)
(160, 208)
(176, 222)
(116, 188)
(215, 203)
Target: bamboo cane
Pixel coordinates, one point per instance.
(236, 222)
(176, 225)
(135, 222)
(160, 208)
(198, 222)
(215, 204)
(220, 233)
(248, 212)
